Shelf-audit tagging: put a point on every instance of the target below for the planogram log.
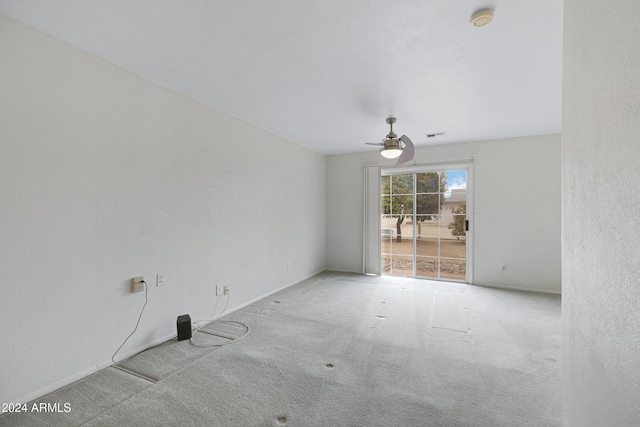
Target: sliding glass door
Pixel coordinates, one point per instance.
(424, 224)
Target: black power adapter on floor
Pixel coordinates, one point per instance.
(184, 327)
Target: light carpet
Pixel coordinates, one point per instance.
(346, 350)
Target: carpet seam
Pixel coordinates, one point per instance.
(134, 373)
(118, 404)
(152, 384)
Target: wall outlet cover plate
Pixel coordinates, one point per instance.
(137, 284)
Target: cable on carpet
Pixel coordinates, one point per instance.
(209, 321)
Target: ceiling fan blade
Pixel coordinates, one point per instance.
(374, 143)
(407, 152)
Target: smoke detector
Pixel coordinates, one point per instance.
(482, 17)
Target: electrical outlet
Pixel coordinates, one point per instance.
(160, 280)
(226, 290)
(219, 290)
(137, 284)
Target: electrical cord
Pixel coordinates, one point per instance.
(230, 342)
(146, 299)
(208, 321)
(196, 329)
(193, 330)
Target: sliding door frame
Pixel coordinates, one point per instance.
(438, 167)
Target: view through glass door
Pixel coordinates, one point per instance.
(424, 224)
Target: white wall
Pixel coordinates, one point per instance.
(516, 193)
(601, 231)
(105, 175)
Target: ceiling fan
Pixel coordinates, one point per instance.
(392, 146)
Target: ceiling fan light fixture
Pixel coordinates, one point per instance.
(391, 152)
(394, 147)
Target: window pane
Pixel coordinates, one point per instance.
(402, 265)
(427, 267)
(459, 226)
(455, 247)
(385, 240)
(455, 179)
(402, 242)
(401, 205)
(455, 202)
(430, 182)
(386, 205)
(402, 184)
(427, 246)
(386, 185)
(407, 228)
(387, 222)
(427, 225)
(428, 204)
(446, 225)
(453, 269)
(386, 264)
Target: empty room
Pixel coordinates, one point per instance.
(296, 213)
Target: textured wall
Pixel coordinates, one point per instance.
(516, 193)
(601, 231)
(105, 175)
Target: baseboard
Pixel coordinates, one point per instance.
(337, 270)
(89, 371)
(92, 370)
(514, 288)
(57, 385)
(243, 305)
(137, 350)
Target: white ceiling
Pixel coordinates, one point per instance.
(326, 74)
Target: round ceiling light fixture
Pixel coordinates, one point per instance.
(391, 152)
(482, 17)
